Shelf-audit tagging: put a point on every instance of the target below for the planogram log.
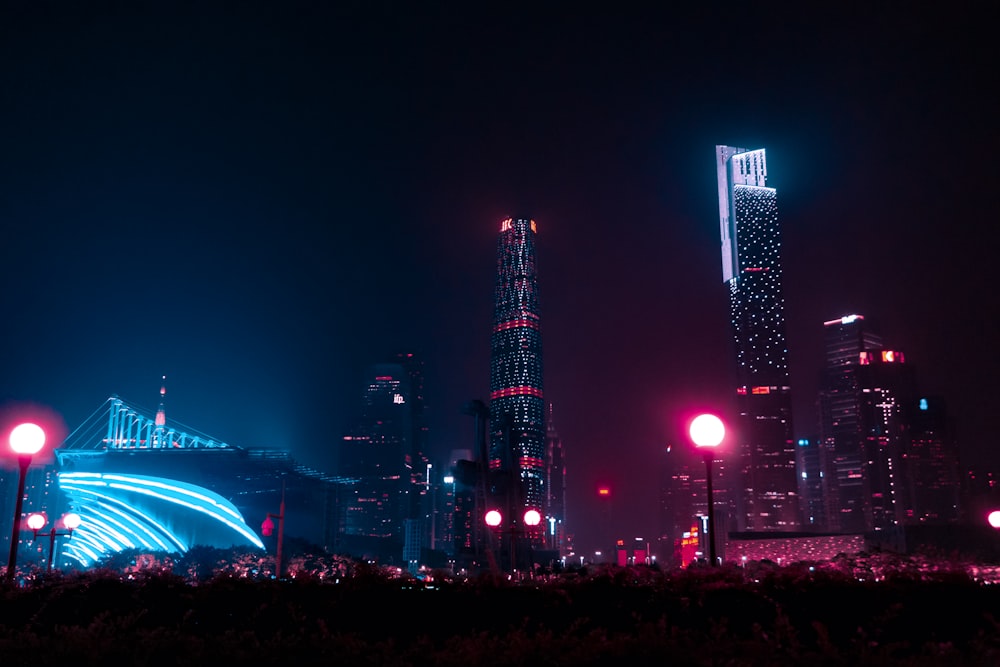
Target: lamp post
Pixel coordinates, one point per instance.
(531, 520)
(707, 432)
(268, 527)
(26, 440)
(70, 521)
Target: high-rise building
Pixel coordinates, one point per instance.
(865, 388)
(376, 452)
(846, 339)
(765, 497)
(930, 465)
(416, 456)
(682, 500)
(555, 504)
(517, 450)
(809, 461)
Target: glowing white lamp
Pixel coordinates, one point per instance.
(493, 518)
(707, 432)
(27, 439)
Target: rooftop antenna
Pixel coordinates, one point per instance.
(161, 413)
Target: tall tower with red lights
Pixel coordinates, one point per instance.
(517, 406)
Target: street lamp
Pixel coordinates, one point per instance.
(26, 440)
(531, 520)
(70, 521)
(267, 527)
(707, 432)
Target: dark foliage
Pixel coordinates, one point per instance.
(759, 615)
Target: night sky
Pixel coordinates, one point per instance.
(258, 200)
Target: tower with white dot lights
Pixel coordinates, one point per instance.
(517, 407)
(751, 268)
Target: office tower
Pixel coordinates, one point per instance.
(930, 465)
(809, 461)
(555, 502)
(763, 471)
(376, 453)
(465, 536)
(840, 408)
(682, 501)
(420, 499)
(862, 425)
(444, 515)
(517, 407)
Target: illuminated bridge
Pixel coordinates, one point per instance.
(139, 483)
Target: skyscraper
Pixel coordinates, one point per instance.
(377, 453)
(751, 266)
(930, 464)
(555, 506)
(517, 407)
(866, 421)
(847, 340)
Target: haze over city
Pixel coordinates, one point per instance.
(260, 200)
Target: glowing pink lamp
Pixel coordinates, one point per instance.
(70, 521)
(707, 432)
(26, 440)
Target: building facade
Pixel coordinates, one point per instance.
(555, 504)
(930, 465)
(809, 461)
(763, 471)
(892, 459)
(376, 452)
(517, 450)
(844, 421)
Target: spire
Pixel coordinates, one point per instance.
(161, 413)
(550, 425)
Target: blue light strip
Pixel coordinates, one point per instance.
(180, 489)
(138, 525)
(90, 489)
(111, 521)
(145, 517)
(198, 508)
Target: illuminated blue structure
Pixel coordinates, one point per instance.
(121, 512)
(138, 483)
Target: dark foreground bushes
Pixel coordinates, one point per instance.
(627, 617)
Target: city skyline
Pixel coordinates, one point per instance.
(260, 202)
